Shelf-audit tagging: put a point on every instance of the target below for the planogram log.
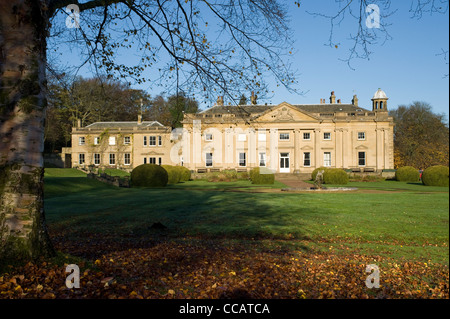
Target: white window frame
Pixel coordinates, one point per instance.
(243, 161)
(159, 140)
(81, 158)
(112, 159)
(95, 159)
(304, 159)
(145, 141)
(127, 159)
(326, 161)
(160, 161)
(262, 137)
(327, 139)
(127, 140)
(152, 160)
(362, 138)
(152, 141)
(285, 139)
(211, 161)
(82, 140)
(307, 139)
(112, 140)
(96, 140)
(365, 159)
(209, 137)
(262, 159)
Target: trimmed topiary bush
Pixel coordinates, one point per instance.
(262, 176)
(317, 170)
(174, 174)
(407, 174)
(185, 173)
(149, 175)
(335, 176)
(435, 176)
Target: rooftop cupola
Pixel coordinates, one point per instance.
(379, 101)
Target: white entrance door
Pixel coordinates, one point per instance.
(285, 163)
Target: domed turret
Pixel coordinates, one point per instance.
(379, 101)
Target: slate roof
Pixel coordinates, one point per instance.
(253, 110)
(124, 125)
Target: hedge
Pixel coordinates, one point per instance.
(317, 170)
(149, 175)
(407, 174)
(335, 176)
(174, 174)
(185, 173)
(435, 176)
(262, 179)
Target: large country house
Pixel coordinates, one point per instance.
(287, 138)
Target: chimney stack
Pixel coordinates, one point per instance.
(355, 100)
(78, 123)
(339, 101)
(333, 98)
(220, 100)
(139, 119)
(254, 98)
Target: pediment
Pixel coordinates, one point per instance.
(307, 148)
(285, 112)
(361, 147)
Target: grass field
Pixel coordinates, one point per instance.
(396, 219)
(219, 238)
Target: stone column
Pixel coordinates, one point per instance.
(273, 147)
(345, 148)
(297, 154)
(317, 150)
(252, 148)
(338, 148)
(380, 149)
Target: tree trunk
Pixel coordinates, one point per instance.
(23, 32)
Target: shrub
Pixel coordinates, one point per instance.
(262, 176)
(365, 178)
(317, 170)
(435, 176)
(335, 176)
(174, 174)
(185, 173)
(149, 175)
(407, 174)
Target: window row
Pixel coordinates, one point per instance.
(152, 141)
(306, 159)
(152, 160)
(112, 140)
(112, 159)
(262, 137)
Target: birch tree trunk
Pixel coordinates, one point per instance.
(23, 32)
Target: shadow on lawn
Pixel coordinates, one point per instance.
(84, 225)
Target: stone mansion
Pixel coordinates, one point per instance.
(286, 138)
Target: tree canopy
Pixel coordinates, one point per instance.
(421, 137)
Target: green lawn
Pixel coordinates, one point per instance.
(392, 219)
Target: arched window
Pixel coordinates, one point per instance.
(376, 105)
(381, 105)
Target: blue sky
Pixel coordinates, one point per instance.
(408, 67)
